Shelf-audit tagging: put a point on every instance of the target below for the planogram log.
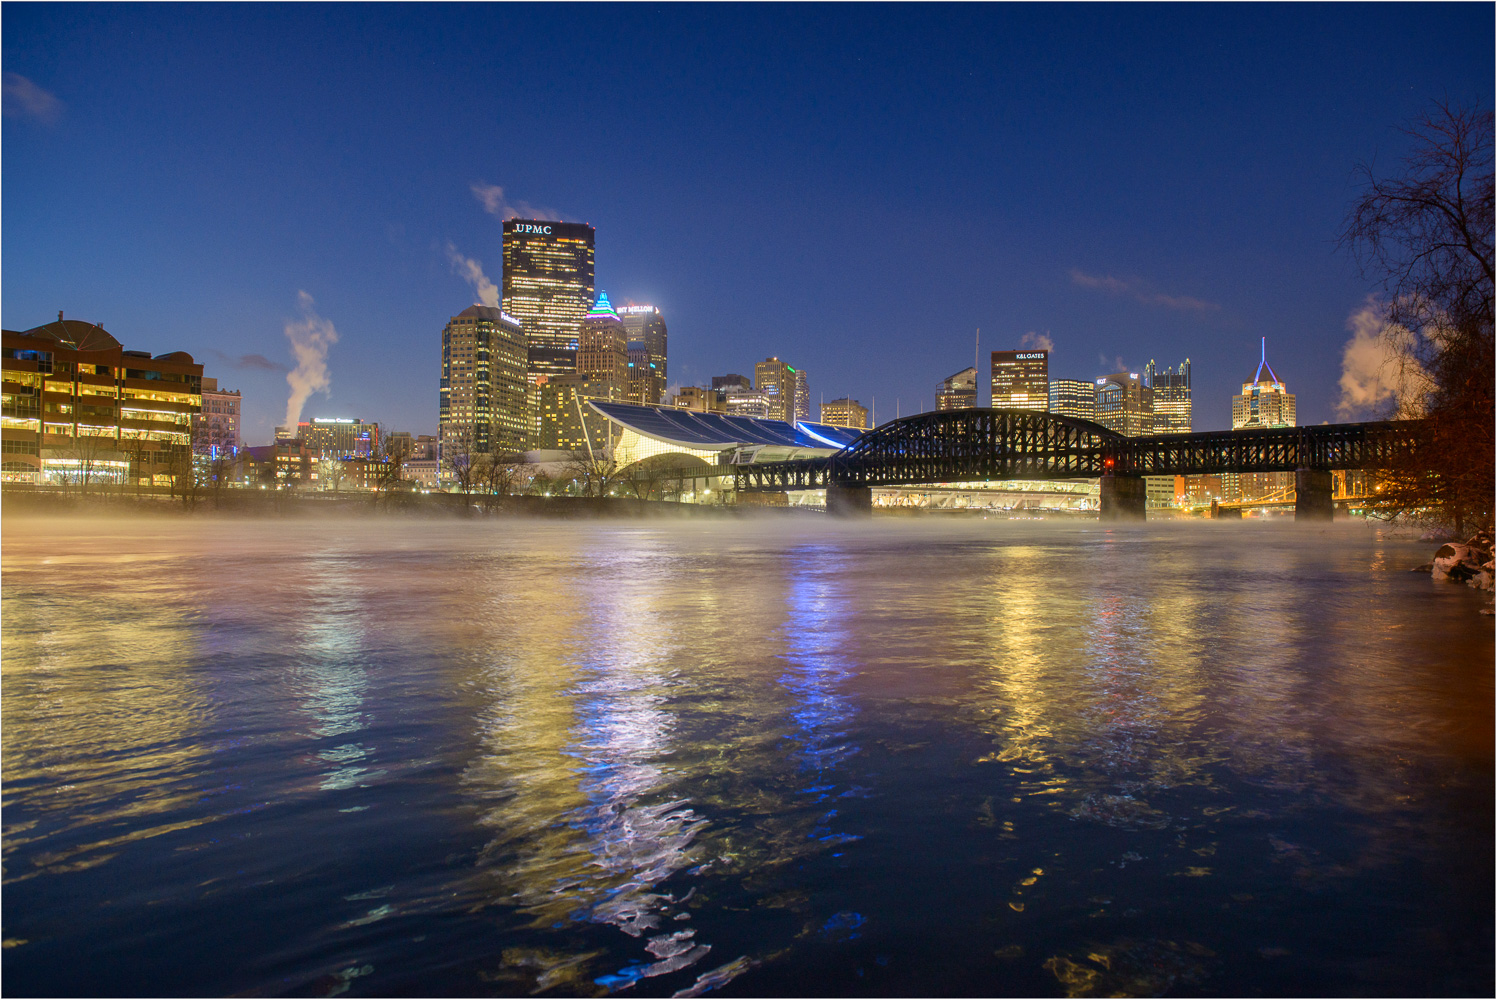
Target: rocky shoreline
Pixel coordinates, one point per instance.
(1469, 562)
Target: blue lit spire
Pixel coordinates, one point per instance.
(1263, 363)
(602, 307)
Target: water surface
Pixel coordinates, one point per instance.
(790, 757)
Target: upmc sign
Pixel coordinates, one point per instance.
(540, 230)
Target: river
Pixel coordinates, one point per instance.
(776, 757)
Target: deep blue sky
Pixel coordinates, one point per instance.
(854, 189)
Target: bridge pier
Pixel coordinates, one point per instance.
(1312, 495)
(849, 501)
(1124, 498)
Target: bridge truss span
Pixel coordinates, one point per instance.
(990, 444)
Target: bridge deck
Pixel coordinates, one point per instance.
(986, 444)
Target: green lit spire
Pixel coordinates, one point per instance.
(602, 307)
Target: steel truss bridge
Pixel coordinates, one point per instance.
(986, 444)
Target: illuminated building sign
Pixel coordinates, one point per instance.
(538, 230)
(1034, 356)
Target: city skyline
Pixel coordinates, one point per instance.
(1185, 204)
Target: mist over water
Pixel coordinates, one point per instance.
(779, 757)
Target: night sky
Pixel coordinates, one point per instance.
(854, 189)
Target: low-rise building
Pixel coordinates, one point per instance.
(80, 409)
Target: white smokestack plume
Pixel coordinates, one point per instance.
(472, 272)
(1037, 341)
(310, 339)
(1379, 373)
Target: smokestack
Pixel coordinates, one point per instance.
(59, 315)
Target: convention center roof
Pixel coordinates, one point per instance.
(719, 431)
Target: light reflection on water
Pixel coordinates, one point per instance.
(765, 757)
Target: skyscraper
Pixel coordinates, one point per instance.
(1021, 380)
(1171, 388)
(1264, 402)
(1125, 404)
(959, 391)
(802, 395)
(482, 399)
(602, 356)
(1074, 397)
(782, 385)
(644, 329)
(548, 286)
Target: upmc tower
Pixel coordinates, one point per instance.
(548, 286)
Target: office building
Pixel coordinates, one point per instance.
(548, 287)
(215, 428)
(1263, 402)
(1074, 397)
(80, 409)
(733, 381)
(339, 437)
(567, 423)
(781, 385)
(644, 330)
(1021, 380)
(845, 413)
(1171, 388)
(692, 397)
(959, 391)
(1125, 404)
(602, 351)
(482, 402)
(802, 395)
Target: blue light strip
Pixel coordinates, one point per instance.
(824, 440)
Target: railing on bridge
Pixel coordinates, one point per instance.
(986, 444)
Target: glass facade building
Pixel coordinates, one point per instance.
(1125, 404)
(1171, 388)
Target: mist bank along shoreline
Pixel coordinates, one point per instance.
(30, 503)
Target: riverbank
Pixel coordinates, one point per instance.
(32, 502)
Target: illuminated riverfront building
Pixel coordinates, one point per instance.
(644, 329)
(802, 395)
(482, 403)
(1125, 404)
(1021, 380)
(782, 385)
(339, 437)
(845, 413)
(215, 428)
(959, 391)
(1074, 397)
(1171, 389)
(79, 408)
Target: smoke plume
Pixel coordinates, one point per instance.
(494, 202)
(310, 337)
(1379, 373)
(472, 272)
(1037, 341)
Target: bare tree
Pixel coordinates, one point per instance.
(596, 475)
(1426, 235)
(461, 458)
(501, 475)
